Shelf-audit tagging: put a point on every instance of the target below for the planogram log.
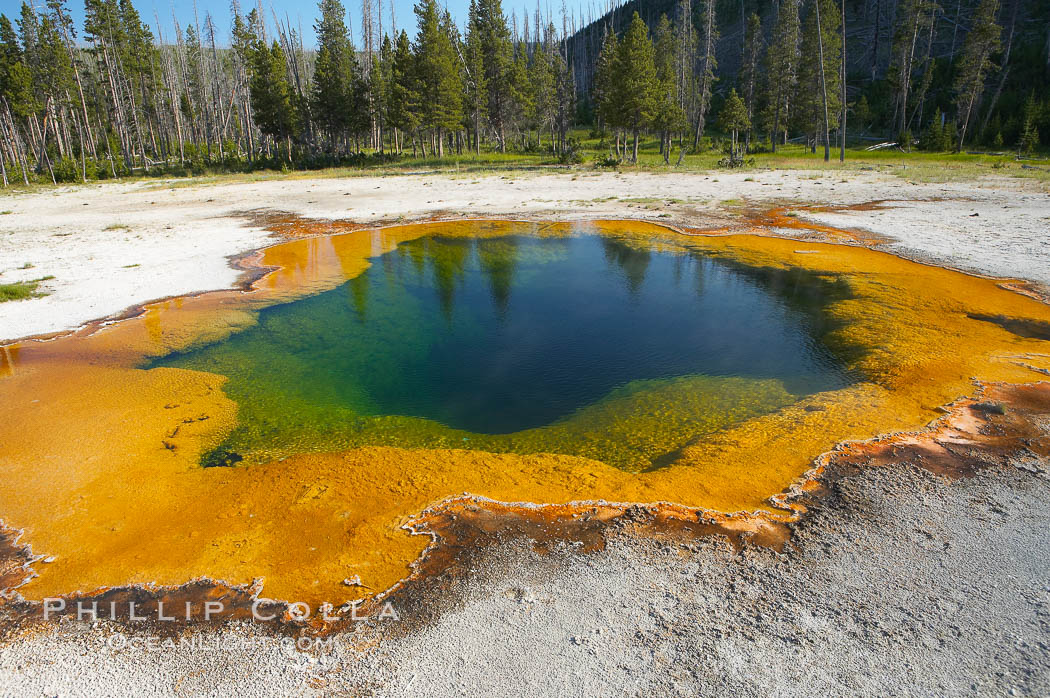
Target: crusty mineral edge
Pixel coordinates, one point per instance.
(296, 528)
(1001, 425)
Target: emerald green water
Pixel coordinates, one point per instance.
(584, 345)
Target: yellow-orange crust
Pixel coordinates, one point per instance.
(99, 459)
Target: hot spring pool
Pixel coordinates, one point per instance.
(583, 344)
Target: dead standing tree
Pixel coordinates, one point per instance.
(823, 82)
(705, 69)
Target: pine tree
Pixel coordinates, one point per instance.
(522, 107)
(271, 95)
(10, 51)
(1029, 133)
(637, 82)
(914, 18)
(452, 79)
(981, 42)
(496, 58)
(195, 98)
(245, 33)
(16, 99)
(139, 60)
(862, 112)
(818, 87)
(439, 81)
(541, 92)
(948, 137)
(932, 138)
(102, 28)
(381, 80)
(993, 131)
(54, 81)
(685, 64)
(706, 67)
(18, 87)
(669, 115)
(336, 74)
(474, 70)
(748, 78)
(782, 69)
(565, 97)
(68, 32)
(734, 118)
(404, 108)
(603, 89)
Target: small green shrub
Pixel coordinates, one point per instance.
(572, 155)
(67, 170)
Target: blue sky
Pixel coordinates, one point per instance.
(306, 12)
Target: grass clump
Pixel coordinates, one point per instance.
(21, 290)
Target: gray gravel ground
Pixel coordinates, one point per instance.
(900, 583)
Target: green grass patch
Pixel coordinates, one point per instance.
(594, 155)
(21, 290)
(914, 166)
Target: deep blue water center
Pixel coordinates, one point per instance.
(494, 335)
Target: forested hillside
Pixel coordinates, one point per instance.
(905, 60)
(114, 96)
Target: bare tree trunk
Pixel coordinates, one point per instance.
(68, 40)
(3, 167)
(842, 126)
(823, 83)
(43, 142)
(955, 29)
(33, 128)
(705, 71)
(1048, 48)
(248, 130)
(681, 155)
(9, 139)
(178, 128)
(52, 111)
(19, 149)
(875, 41)
(10, 146)
(776, 121)
(901, 109)
(927, 75)
(83, 157)
(1005, 69)
(966, 120)
(119, 121)
(109, 149)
